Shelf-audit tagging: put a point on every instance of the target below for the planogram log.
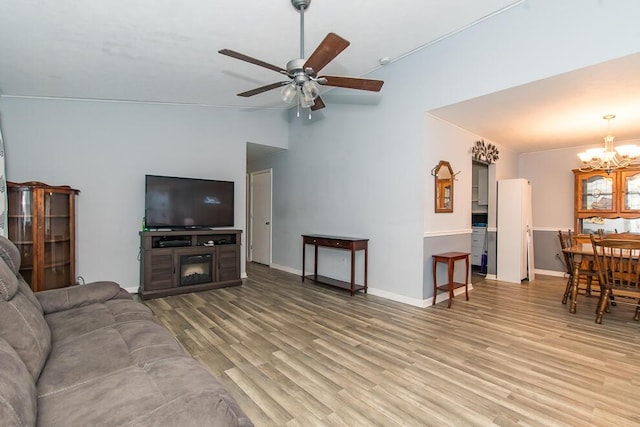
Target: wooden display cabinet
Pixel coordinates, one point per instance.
(41, 221)
(602, 197)
(177, 262)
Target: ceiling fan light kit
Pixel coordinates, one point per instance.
(302, 88)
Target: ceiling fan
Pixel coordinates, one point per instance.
(303, 73)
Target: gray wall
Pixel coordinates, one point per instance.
(104, 149)
(547, 252)
(353, 169)
(457, 243)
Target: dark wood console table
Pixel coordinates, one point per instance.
(347, 243)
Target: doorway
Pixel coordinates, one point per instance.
(260, 216)
(479, 219)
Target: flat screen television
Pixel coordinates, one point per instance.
(178, 203)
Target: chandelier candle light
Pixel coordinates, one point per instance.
(607, 158)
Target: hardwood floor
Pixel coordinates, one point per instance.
(304, 355)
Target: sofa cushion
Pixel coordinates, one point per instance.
(77, 296)
(22, 324)
(82, 320)
(17, 390)
(103, 351)
(175, 391)
(28, 293)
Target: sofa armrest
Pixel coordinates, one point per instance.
(55, 300)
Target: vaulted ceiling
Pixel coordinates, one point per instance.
(166, 51)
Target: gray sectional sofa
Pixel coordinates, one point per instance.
(92, 356)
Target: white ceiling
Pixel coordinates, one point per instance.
(166, 51)
(561, 111)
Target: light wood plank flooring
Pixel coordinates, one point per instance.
(304, 355)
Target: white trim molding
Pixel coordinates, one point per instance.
(286, 269)
(416, 302)
(552, 229)
(551, 273)
(442, 233)
(422, 303)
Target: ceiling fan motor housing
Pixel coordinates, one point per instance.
(299, 4)
(295, 70)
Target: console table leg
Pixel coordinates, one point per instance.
(435, 284)
(366, 256)
(353, 271)
(466, 280)
(315, 263)
(450, 276)
(304, 251)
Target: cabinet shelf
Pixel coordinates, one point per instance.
(57, 240)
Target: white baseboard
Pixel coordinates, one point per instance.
(422, 303)
(286, 269)
(398, 298)
(551, 273)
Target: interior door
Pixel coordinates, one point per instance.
(261, 183)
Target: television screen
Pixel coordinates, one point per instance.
(172, 202)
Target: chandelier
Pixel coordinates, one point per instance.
(607, 158)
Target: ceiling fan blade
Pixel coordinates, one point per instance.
(243, 57)
(262, 89)
(328, 49)
(353, 83)
(319, 103)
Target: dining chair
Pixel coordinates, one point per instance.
(587, 268)
(618, 264)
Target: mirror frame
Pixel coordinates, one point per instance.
(443, 168)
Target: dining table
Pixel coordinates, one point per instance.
(583, 252)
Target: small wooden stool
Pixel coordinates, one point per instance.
(450, 259)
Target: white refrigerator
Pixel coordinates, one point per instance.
(514, 261)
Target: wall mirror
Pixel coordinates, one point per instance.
(444, 178)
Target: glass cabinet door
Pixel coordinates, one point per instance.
(21, 228)
(596, 192)
(631, 191)
(57, 236)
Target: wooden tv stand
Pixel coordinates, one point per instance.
(177, 262)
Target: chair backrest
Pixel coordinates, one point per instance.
(618, 262)
(566, 241)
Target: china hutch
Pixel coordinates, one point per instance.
(41, 221)
(607, 201)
